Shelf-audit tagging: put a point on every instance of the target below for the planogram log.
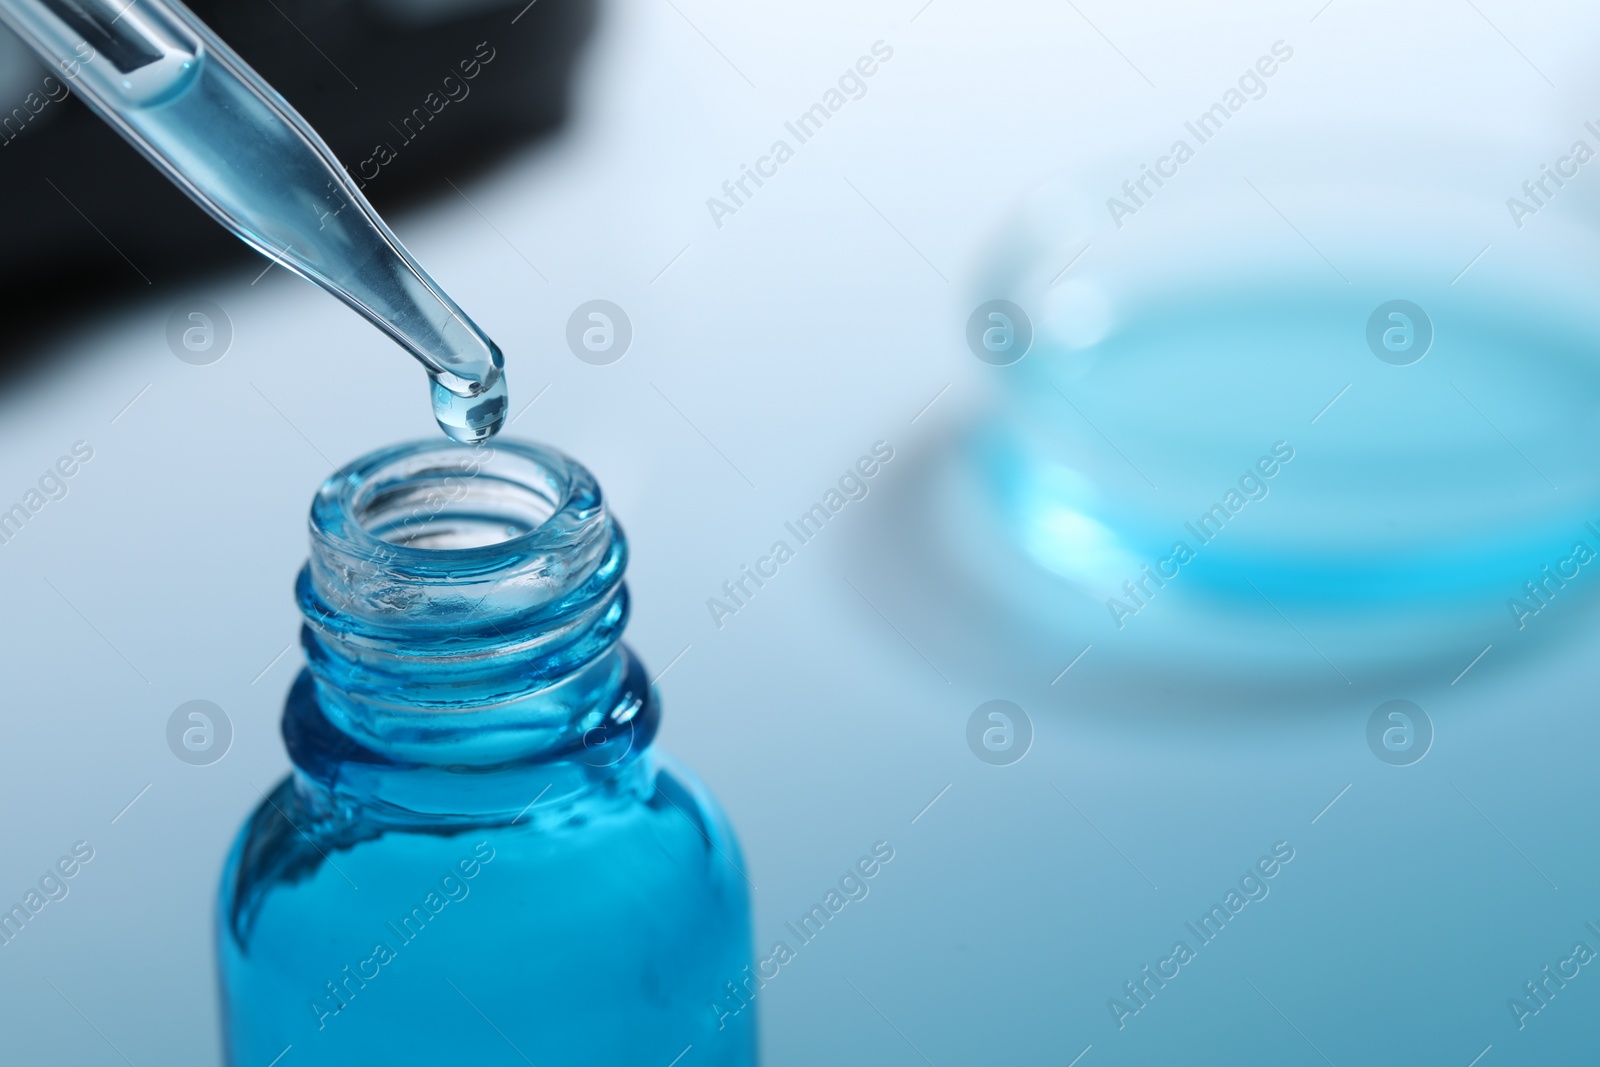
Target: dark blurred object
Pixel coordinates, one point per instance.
(369, 75)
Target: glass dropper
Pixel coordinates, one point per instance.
(181, 96)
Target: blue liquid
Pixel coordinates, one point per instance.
(470, 419)
(230, 142)
(479, 850)
(1418, 499)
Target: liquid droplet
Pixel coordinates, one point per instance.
(470, 419)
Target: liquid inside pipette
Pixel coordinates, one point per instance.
(197, 111)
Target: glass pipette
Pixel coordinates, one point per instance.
(181, 96)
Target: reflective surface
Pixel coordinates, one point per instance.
(834, 709)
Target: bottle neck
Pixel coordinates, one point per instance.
(464, 608)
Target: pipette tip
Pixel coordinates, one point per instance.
(470, 419)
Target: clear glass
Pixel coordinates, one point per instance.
(478, 855)
(1303, 405)
(197, 111)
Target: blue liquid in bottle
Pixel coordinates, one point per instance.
(478, 858)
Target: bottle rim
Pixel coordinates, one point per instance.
(535, 487)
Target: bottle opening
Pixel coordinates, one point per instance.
(446, 508)
(485, 581)
(433, 535)
(448, 498)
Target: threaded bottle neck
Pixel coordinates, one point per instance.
(463, 609)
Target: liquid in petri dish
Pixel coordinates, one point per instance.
(1222, 449)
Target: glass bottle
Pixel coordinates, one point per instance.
(478, 857)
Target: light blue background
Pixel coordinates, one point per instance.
(822, 317)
